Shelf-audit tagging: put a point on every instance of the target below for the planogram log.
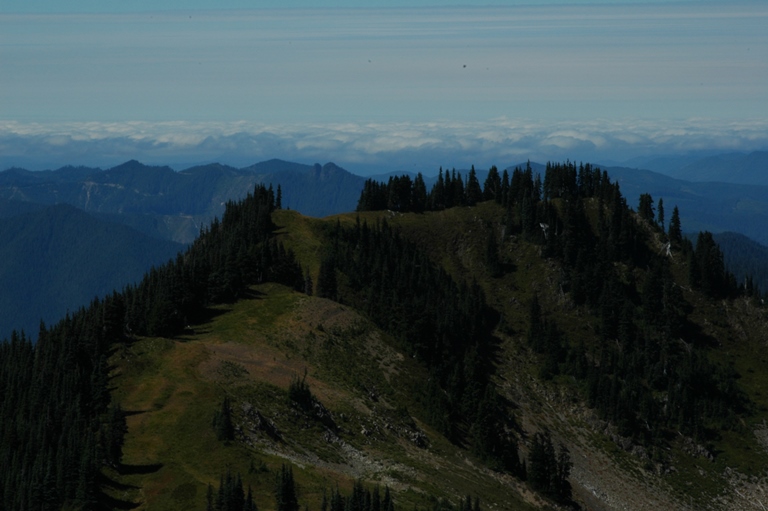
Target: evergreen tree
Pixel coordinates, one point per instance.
(222, 422)
(285, 492)
(492, 189)
(113, 435)
(645, 208)
(660, 213)
(675, 233)
(492, 255)
(474, 193)
(419, 196)
(326, 279)
(548, 470)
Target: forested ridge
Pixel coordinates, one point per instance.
(646, 369)
(58, 425)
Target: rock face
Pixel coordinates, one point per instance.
(253, 422)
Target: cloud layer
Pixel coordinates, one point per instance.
(370, 147)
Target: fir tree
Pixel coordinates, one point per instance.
(222, 422)
(675, 233)
(285, 491)
(660, 213)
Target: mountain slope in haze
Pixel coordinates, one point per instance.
(705, 206)
(745, 258)
(175, 205)
(313, 190)
(167, 207)
(59, 258)
(748, 169)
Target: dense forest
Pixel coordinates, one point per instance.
(639, 373)
(445, 324)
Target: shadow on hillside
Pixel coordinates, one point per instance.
(201, 323)
(507, 267)
(693, 332)
(108, 502)
(130, 413)
(149, 468)
(106, 481)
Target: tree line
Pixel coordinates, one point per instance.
(231, 496)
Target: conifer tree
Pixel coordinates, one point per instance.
(285, 492)
(645, 208)
(675, 233)
(473, 192)
(222, 422)
(326, 279)
(419, 196)
(660, 213)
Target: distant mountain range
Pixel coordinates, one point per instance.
(121, 221)
(737, 168)
(174, 205)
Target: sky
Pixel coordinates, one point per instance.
(378, 87)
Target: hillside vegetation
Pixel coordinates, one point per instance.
(530, 342)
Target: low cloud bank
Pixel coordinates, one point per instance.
(366, 148)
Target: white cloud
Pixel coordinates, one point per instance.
(366, 147)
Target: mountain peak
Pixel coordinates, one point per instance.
(135, 165)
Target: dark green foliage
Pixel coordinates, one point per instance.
(326, 279)
(56, 425)
(492, 260)
(660, 214)
(402, 194)
(308, 286)
(545, 338)
(444, 324)
(473, 193)
(707, 269)
(230, 496)
(675, 233)
(747, 260)
(492, 188)
(229, 256)
(299, 393)
(113, 435)
(222, 422)
(638, 359)
(548, 470)
(285, 491)
(645, 208)
(491, 440)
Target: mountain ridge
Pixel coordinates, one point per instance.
(440, 351)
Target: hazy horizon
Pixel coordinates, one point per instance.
(390, 88)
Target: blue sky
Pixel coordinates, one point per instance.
(470, 82)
